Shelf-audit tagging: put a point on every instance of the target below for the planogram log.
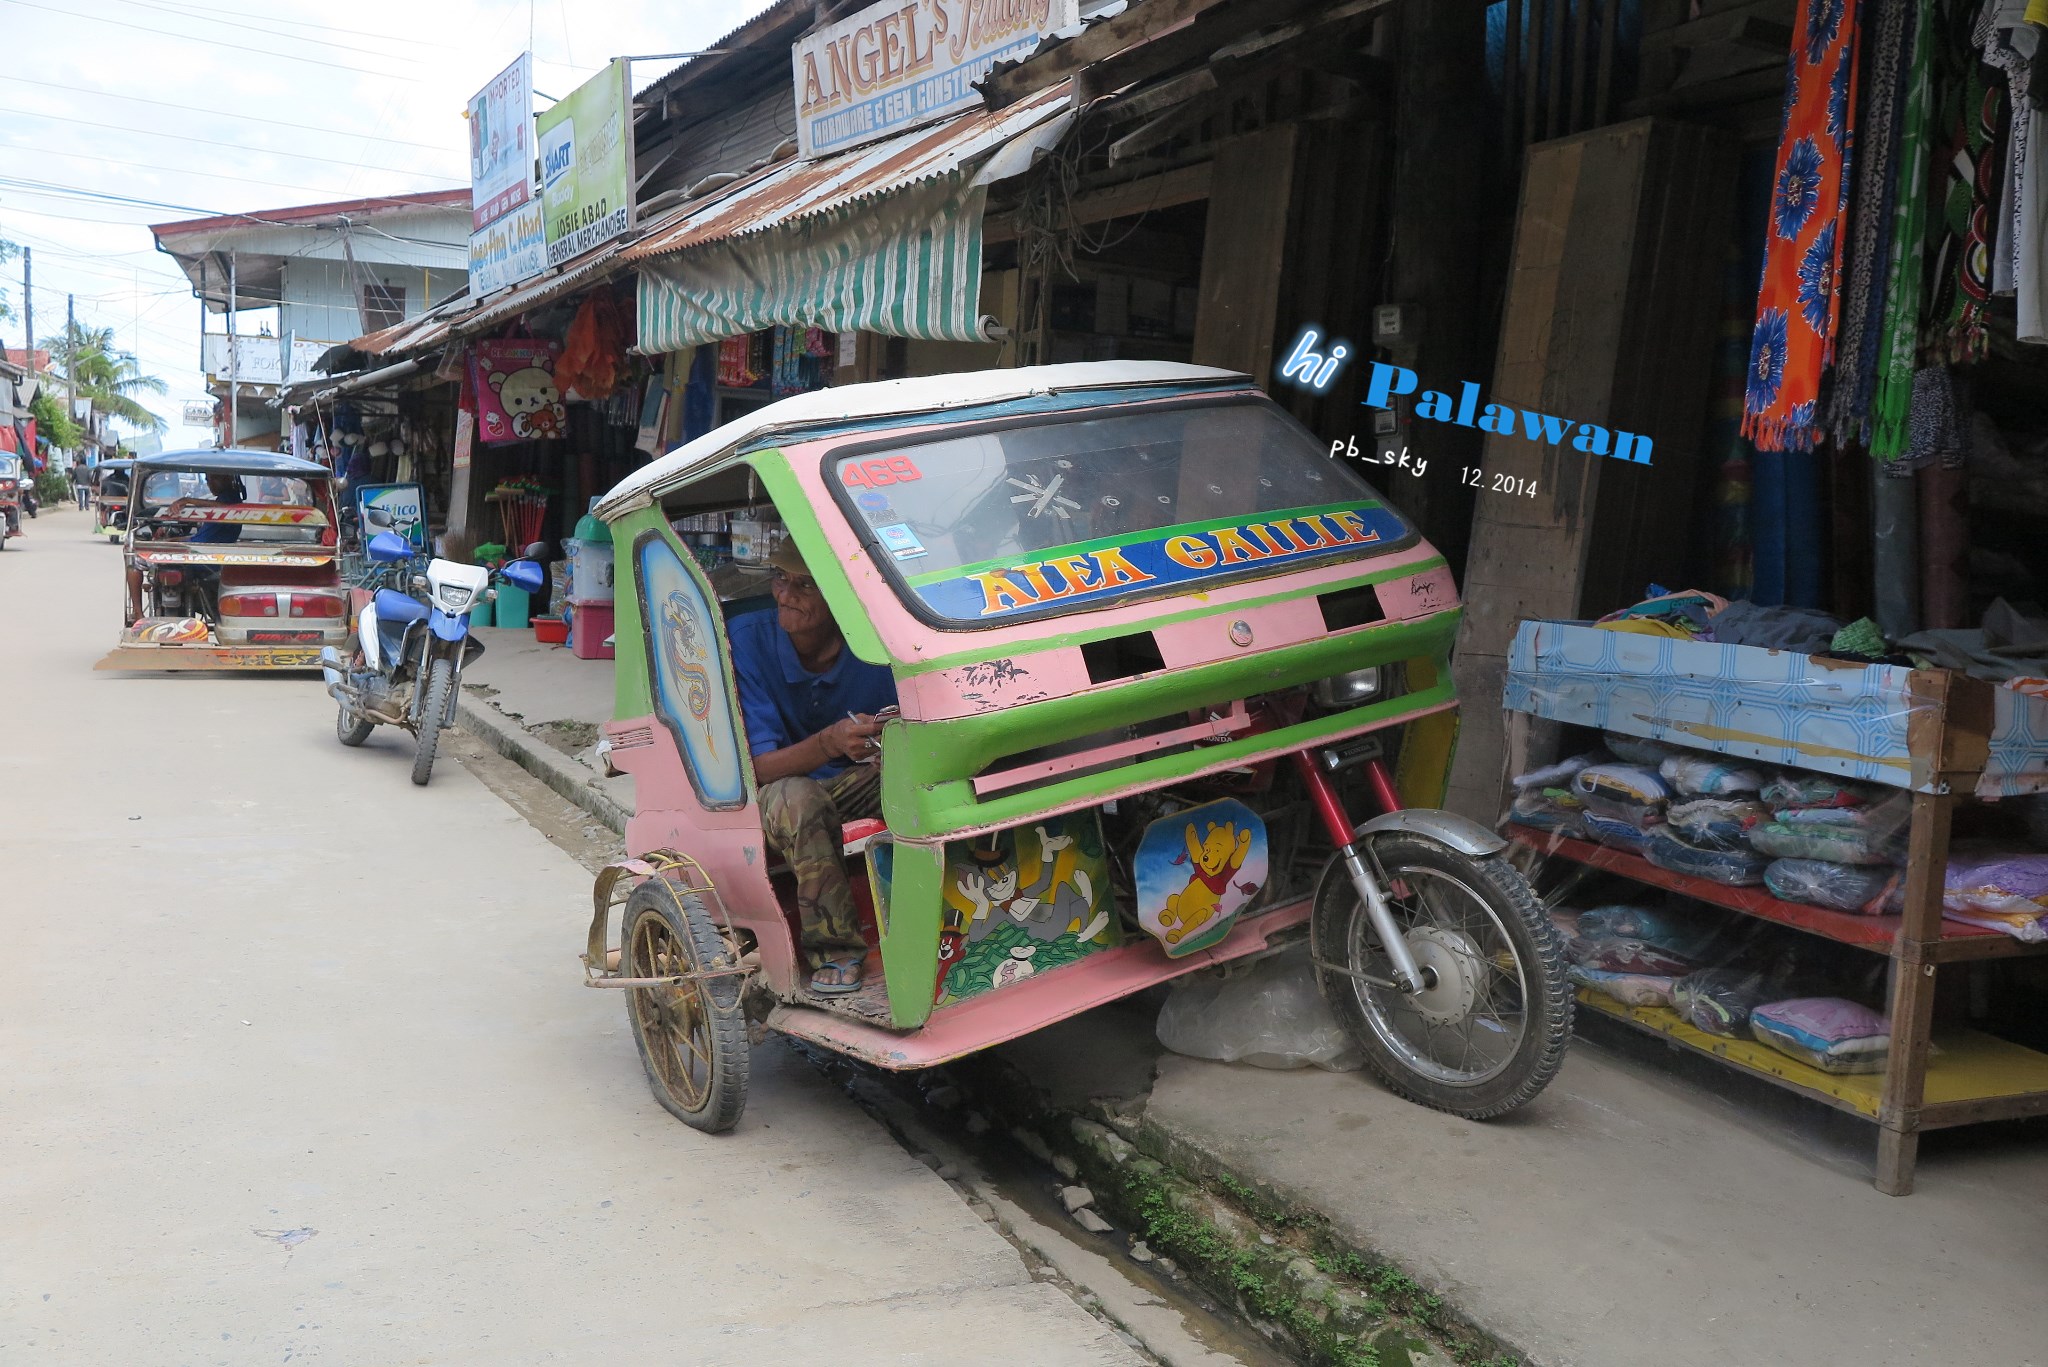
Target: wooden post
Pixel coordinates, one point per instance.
(1912, 996)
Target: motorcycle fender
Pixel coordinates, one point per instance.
(447, 625)
(1462, 834)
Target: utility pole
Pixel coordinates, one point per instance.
(234, 367)
(28, 308)
(71, 363)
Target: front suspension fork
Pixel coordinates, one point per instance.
(1408, 976)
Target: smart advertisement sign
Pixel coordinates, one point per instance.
(896, 65)
(397, 508)
(501, 144)
(586, 165)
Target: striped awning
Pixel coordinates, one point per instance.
(883, 239)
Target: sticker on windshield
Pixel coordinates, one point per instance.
(1097, 573)
(901, 541)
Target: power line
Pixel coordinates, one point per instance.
(248, 21)
(206, 42)
(221, 114)
(278, 33)
(237, 146)
(194, 171)
(55, 191)
(245, 15)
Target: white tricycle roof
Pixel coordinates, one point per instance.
(889, 398)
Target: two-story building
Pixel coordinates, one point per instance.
(319, 274)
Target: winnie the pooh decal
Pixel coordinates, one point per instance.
(1196, 870)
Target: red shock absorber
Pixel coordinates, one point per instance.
(1382, 785)
(1323, 794)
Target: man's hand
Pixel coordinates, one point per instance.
(853, 738)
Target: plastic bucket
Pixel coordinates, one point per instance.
(481, 615)
(514, 606)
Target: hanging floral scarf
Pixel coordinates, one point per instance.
(1797, 303)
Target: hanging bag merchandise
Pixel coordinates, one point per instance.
(517, 398)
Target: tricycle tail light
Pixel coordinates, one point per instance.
(248, 605)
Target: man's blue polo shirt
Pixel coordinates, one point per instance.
(784, 703)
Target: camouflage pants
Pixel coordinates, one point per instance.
(801, 818)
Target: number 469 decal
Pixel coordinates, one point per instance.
(873, 474)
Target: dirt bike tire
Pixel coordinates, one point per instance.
(433, 707)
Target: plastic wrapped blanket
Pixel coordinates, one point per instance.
(1793, 788)
(1619, 835)
(1622, 792)
(1716, 823)
(1630, 989)
(1830, 1033)
(2001, 891)
(1834, 844)
(1845, 887)
(1681, 931)
(1558, 775)
(1706, 776)
(1735, 867)
(1630, 956)
(1549, 809)
(1718, 1000)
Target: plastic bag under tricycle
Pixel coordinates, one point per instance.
(1269, 1015)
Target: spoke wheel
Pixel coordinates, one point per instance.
(692, 1035)
(1489, 1030)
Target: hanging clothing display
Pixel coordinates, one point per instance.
(1899, 345)
(593, 360)
(1972, 114)
(2017, 267)
(1797, 304)
(1887, 69)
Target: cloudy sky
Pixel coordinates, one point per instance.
(212, 106)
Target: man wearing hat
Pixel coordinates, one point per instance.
(809, 707)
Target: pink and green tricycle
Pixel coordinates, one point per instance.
(1155, 656)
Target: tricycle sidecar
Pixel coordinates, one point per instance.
(1151, 649)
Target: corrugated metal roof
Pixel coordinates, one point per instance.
(441, 323)
(797, 189)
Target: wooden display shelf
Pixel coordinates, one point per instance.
(1936, 745)
(1959, 943)
(1968, 1072)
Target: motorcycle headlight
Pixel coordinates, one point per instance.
(1349, 690)
(454, 596)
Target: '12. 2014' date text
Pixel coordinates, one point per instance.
(1498, 483)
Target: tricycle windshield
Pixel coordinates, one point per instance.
(1043, 516)
(10, 467)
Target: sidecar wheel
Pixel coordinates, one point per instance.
(692, 1036)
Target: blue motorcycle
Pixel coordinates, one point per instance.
(411, 647)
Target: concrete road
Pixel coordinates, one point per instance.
(296, 1067)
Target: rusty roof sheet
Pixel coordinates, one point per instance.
(439, 324)
(793, 190)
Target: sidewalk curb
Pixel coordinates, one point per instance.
(558, 771)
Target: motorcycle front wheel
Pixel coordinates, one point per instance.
(1489, 1030)
(433, 707)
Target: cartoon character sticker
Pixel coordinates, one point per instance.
(532, 403)
(1022, 902)
(1196, 870)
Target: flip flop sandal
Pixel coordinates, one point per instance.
(848, 972)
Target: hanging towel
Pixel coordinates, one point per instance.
(1796, 303)
(1892, 397)
(1886, 70)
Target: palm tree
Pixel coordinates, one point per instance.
(111, 378)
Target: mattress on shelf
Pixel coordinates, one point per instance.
(1866, 722)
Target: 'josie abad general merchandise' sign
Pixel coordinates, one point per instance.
(1093, 575)
(586, 165)
(896, 65)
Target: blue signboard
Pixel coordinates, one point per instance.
(397, 508)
